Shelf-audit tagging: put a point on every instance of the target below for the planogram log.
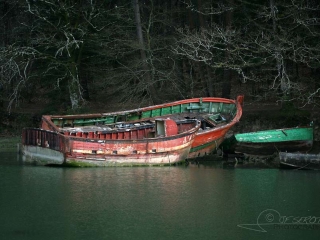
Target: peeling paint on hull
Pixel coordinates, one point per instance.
(41, 156)
(159, 159)
(55, 148)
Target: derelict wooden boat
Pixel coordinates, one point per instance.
(268, 142)
(159, 142)
(217, 116)
(300, 161)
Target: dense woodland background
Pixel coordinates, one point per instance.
(70, 56)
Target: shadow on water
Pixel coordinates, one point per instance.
(10, 158)
(211, 161)
(237, 160)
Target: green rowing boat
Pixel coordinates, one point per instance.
(268, 142)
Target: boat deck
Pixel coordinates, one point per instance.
(208, 121)
(141, 129)
(124, 130)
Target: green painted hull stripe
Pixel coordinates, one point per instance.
(195, 149)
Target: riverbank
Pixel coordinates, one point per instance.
(237, 160)
(9, 144)
(256, 116)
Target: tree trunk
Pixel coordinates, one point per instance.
(150, 88)
(74, 87)
(226, 85)
(205, 71)
(186, 69)
(280, 62)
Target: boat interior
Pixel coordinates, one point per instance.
(130, 130)
(207, 121)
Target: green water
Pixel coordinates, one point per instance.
(202, 201)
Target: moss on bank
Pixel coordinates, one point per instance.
(9, 144)
(11, 125)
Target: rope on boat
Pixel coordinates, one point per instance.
(302, 167)
(215, 141)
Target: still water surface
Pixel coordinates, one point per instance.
(202, 201)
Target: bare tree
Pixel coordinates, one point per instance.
(60, 31)
(147, 75)
(290, 41)
(15, 60)
(266, 38)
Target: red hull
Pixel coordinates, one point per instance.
(170, 144)
(90, 137)
(206, 140)
(206, 143)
